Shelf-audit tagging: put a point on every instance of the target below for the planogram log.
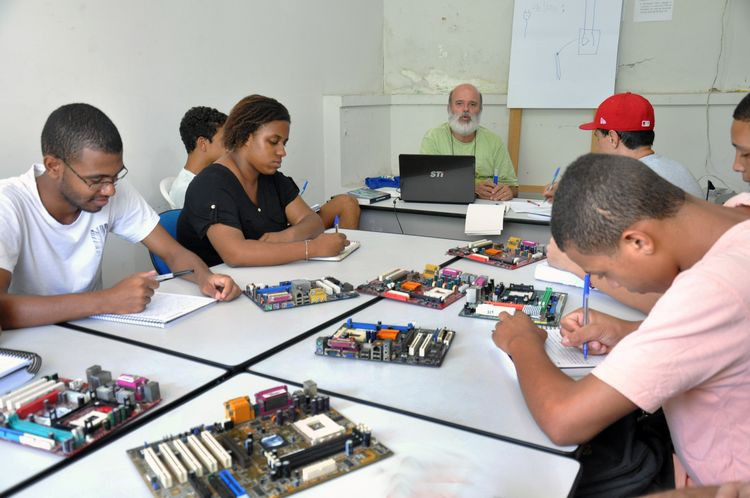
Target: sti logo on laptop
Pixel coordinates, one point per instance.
(437, 174)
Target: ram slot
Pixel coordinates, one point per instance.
(415, 344)
(202, 453)
(425, 345)
(216, 449)
(165, 478)
(21, 400)
(174, 465)
(327, 288)
(448, 337)
(7, 400)
(188, 458)
(336, 288)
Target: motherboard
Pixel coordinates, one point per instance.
(63, 416)
(403, 344)
(513, 254)
(545, 307)
(434, 287)
(279, 445)
(299, 292)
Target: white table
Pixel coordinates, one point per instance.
(429, 459)
(70, 353)
(473, 387)
(442, 220)
(228, 334)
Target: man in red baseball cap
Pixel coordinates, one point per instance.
(624, 125)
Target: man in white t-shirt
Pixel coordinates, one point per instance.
(624, 125)
(689, 356)
(54, 221)
(202, 133)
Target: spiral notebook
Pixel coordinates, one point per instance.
(163, 308)
(17, 368)
(562, 356)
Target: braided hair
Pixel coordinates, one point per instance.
(248, 115)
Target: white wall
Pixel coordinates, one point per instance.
(431, 45)
(144, 63)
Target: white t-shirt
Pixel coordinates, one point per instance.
(49, 258)
(179, 187)
(674, 172)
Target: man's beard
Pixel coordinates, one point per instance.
(461, 128)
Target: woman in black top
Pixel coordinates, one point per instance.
(241, 210)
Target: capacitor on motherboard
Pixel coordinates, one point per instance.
(286, 468)
(366, 438)
(321, 404)
(279, 418)
(349, 447)
(249, 444)
(326, 403)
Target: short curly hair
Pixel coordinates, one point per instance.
(601, 195)
(248, 115)
(74, 127)
(199, 122)
(742, 111)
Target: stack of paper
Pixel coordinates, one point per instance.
(162, 309)
(484, 219)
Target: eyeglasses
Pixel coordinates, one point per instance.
(101, 181)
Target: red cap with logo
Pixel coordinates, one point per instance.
(623, 112)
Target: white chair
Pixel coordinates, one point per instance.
(164, 185)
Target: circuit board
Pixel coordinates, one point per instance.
(300, 292)
(280, 445)
(403, 344)
(433, 288)
(545, 307)
(63, 416)
(513, 254)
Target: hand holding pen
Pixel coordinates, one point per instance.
(549, 191)
(586, 292)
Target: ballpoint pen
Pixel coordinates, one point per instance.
(554, 178)
(169, 276)
(304, 187)
(336, 223)
(586, 290)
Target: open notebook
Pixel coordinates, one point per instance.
(162, 309)
(17, 368)
(353, 246)
(563, 357)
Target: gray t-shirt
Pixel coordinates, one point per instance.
(674, 172)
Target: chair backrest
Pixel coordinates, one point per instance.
(164, 185)
(167, 219)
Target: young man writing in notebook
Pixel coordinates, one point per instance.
(689, 356)
(55, 219)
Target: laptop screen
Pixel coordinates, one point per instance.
(432, 178)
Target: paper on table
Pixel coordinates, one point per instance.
(162, 309)
(353, 246)
(543, 271)
(484, 219)
(539, 208)
(567, 357)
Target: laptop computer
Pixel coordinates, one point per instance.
(442, 179)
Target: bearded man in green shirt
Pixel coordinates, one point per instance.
(463, 136)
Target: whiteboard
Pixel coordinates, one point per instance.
(563, 53)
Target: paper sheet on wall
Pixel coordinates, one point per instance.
(653, 10)
(563, 54)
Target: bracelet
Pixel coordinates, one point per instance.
(307, 254)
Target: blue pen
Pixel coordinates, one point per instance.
(304, 187)
(494, 178)
(336, 223)
(554, 177)
(586, 290)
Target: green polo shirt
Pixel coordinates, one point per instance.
(490, 152)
